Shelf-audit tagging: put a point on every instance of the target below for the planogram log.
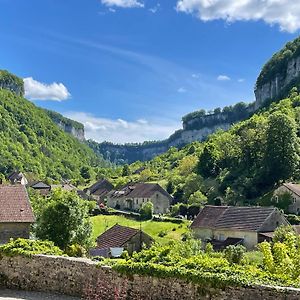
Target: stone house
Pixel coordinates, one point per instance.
(134, 195)
(16, 214)
(17, 178)
(231, 225)
(99, 190)
(123, 238)
(294, 190)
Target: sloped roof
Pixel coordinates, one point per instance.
(39, 185)
(15, 205)
(295, 188)
(116, 236)
(101, 184)
(248, 218)
(15, 176)
(140, 190)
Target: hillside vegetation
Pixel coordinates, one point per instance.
(32, 142)
(232, 167)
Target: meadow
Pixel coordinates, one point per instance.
(162, 232)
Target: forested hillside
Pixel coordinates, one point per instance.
(32, 142)
(237, 166)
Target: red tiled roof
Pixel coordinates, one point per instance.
(14, 205)
(116, 236)
(249, 218)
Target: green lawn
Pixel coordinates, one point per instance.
(173, 231)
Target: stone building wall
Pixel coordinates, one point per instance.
(73, 276)
(13, 230)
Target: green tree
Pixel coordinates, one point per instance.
(64, 220)
(146, 211)
(281, 157)
(125, 171)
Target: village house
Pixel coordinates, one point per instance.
(16, 214)
(232, 225)
(99, 190)
(68, 187)
(119, 238)
(292, 189)
(40, 186)
(134, 195)
(17, 178)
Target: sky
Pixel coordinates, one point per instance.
(130, 69)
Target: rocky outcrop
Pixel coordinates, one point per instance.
(72, 127)
(11, 82)
(280, 85)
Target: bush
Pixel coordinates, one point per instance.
(235, 254)
(76, 250)
(146, 211)
(29, 247)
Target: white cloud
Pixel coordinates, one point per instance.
(155, 9)
(223, 78)
(121, 131)
(112, 10)
(35, 90)
(195, 75)
(181, 90)
(241, 80)
(123, 3)
(285, 13)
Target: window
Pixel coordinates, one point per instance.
(221, 237)
(276, 199)
(294, 200)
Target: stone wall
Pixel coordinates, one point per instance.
(76, 277)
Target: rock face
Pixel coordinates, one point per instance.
(68, 128)
(130, 153)
(280, 84)
(11, 82)
(72, 127)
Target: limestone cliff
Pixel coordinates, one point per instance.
(72, 127)
(279, 75)
(11, 82)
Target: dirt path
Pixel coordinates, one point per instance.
(24, 295)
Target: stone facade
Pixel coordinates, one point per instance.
(13, 230)
(161, 203)
(293, 208)
(76, 277)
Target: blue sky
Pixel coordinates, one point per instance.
(130, 69)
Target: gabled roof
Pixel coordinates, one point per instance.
(39, 185)
(116, 236)
(295, 188)
(15, 205)
(140, 190)
(101, 184)
(248, 218)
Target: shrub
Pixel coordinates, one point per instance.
(146, 211)
(235, 254)
(162, 233)
(29, 247)
(76, 250)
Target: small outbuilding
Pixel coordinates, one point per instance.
(123, 238)
(16, 214)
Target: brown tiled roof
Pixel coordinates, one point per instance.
(14, 205)
(248, 218)
(116, 236)
(295, 188)
(101, 184)
(140, 190)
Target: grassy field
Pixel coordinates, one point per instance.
(173, 231)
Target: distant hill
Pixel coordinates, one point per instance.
(32, 142)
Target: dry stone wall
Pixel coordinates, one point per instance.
(78, 277)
